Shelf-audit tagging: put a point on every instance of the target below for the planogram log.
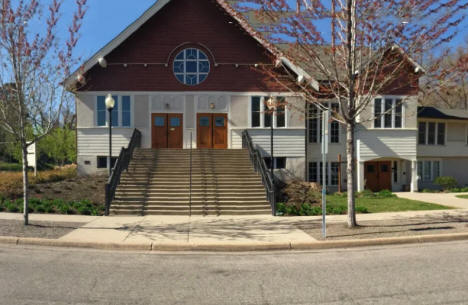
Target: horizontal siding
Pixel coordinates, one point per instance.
(287, 142)
(95, 141)
(387, 144)
(450, 149)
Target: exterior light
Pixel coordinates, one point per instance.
(212, 106)
(271, 103)
(300, 79)
(80, 78)
(110, 102)
(102, 62)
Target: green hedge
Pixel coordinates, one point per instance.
(308, 210)
(56, 206)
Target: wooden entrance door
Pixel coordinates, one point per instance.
(212, 130)
(378, 175)
(167, 130)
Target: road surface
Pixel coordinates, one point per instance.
(410, 274)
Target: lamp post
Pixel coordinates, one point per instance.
(110, 103)
(271, 107)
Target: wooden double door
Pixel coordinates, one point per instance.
(378, 175)
(212, 130)
(167, 130)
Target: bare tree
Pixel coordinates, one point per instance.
(33, 64)
(355, 49)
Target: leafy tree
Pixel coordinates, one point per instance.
(33, 64)
(353, 51)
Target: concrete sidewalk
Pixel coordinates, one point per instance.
(164, 232)
(447, 199)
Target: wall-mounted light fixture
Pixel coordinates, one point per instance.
(125, 65)
(102, 62)
(167, 106)
(212, 106)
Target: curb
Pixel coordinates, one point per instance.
(234, 247)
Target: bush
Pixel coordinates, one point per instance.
(365, 194)
(84, 207)
(430, 191)
(314, 210)
(385, 194)
(446, 182)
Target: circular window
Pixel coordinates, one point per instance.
(191, 67)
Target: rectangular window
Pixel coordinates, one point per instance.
(422, 133)
(256, 111)
(313, 121)
(431, 133)
(334, 168)
(313, 172)
(101, 162)
(435, 170)
(441, 133)
(388, 113)
(427, 171)
(126, 111)
(334, 125)
(378, 113)
(101, 111)
(115, 112)
(278, 162)
(398, 113)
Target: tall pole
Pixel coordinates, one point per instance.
(272, 161)
(110, 142)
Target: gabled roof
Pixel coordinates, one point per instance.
(132, 28)
(429, 112)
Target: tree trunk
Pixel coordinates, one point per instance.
(25, 185)
(351, 174)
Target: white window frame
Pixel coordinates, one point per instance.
(120, 108)
(319, 172)
(382, 110)
(262, 114)
(319, 127)
(436, 140)
(432, 176)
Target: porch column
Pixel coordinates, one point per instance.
(360, 176)
(414, 176)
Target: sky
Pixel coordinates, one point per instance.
(105, 19)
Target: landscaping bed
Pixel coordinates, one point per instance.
(422, 225)
(38, 229)
(462, 196)
(304, 199)
(58, 191)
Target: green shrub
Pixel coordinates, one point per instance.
(446, 182)
(429, 191)
(366, 194)
(385, 194)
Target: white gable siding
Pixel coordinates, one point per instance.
(95, 141)
(388, 143)
(286, 143)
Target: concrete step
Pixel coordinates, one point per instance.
(187, 212)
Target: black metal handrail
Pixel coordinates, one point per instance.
(120, 165)
(260, 167)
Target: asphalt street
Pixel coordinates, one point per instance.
(410, 274)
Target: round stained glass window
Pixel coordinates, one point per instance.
(191, 66)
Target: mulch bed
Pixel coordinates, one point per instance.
(390, 228)
(39, 229)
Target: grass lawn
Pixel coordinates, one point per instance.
(387, 204)
(463, 196)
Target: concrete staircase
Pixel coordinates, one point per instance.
(158, 183)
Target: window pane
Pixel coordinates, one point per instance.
(398, 113)
(334, 132)
(313, 172)
(268, 162)
(101, 111)
(174, 122)
(422, 133)
(280, 116)
(219, 121)
(313, 120)
(204, 121)
(431, 134)
(179, 67)
(255, 111)
(334, 173)
(267, 119)
(378, 113)
(191, 67)
(101, 162)
(436, 169)
(280, 162)
(126, 111)
(388, 113)
(441, 133)
(159, 121)
(427, 171)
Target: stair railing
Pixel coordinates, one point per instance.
(121, 164)
(260, 167)
(191, 172)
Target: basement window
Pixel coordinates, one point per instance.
(279, 162)
(102, 161)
